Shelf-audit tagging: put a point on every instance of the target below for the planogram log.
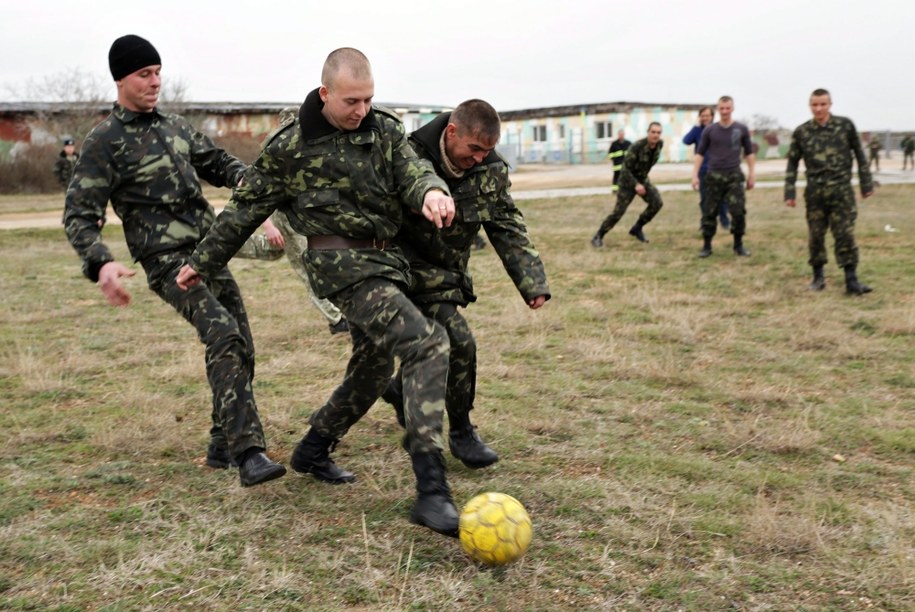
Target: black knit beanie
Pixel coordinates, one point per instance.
(130, 53)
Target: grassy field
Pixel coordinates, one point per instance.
(686, 434)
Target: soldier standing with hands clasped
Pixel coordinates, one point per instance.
(147, 164)
(828, 145)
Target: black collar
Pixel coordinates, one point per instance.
(314, 125)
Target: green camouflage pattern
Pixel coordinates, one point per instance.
(728, 187)
(439, 258)
(217, 312)
(831, 207)
(63, 168)
(257, 247)
(384, 323)
(148, 165)
(351, 184)
(828, 152)
(908, 152)
(638, 163)
(329, 182)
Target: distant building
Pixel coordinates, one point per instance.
(35, 122)
(581, 134)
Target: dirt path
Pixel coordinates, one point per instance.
(529, 182)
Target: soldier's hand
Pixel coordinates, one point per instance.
(438, 208)
(867, 195)
(751, 182)
(537, 302)
(790, 203)
(640, 189)
(274, 237)
(695, 183)
(109, 281)
(187, 277)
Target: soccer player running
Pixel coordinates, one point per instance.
(827, 144)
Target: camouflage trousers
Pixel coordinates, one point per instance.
(625, 196)
(462, 362)
(257, 247)
(831, 207)
(216, 311)
(724, 186)
(385, 324)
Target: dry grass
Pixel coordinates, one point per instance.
(686, 434)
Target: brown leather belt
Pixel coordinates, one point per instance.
(334, 243)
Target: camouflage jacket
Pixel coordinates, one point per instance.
(907, 144)
(638, 162)
(827, 152)
(328, 183)
(439, 258)
(148, 165)
(63, 168)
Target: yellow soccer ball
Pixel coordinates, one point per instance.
(495, 529)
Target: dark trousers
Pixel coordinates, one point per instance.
(217, 312)
(724, 186)
(832, 208)
(385, 324)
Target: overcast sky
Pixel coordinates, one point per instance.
(767, 54)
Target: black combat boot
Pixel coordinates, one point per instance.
(255, 467)
(636, 231)
(393, 395)
(852, 285)
(739, 250)
(312, 456)
(466, 445)
(218, 456)
(433, 508)
(597, 241)
(819, 281)
(706, 246)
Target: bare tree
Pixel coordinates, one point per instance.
(763, 124)
(67, 103)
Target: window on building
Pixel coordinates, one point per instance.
(539, 133)
(562, 132)
(604, 129)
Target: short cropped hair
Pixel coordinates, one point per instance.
(725, 99)
(477, 118)
(820, 92)
(653, 123)
(345, 57)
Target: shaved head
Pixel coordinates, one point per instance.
(347, 59)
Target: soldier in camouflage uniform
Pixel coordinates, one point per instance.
(828, 144)
(873, 148)
(461, 147)
(279, 238)
(340, 171)
(640, 158)
(908, 152)
(147, 164)
(66, 161)
(722, 143)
